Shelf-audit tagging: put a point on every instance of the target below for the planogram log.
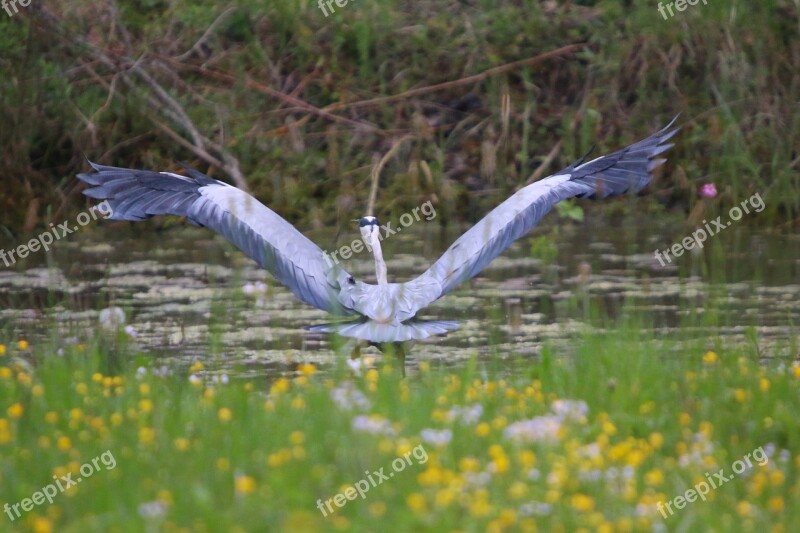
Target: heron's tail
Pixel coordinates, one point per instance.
(369, 330)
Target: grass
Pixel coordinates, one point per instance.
(627, 421)
(730, 68)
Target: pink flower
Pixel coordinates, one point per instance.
(708, 190)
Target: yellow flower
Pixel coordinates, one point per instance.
(223, 464)
(244, 484)
(527, 458)
(518, 490)
(64, 443)
(763, 384)
(654, 477)
(145, 405)
(469, 464)
(710, 357)
(117, 419)
(298, 403)
(224, 414)
(5, 372)
(297, 437)
(16, 410)
(744, 508)
(2, 350)
(656, 440)
(377, 509)
(196, 367)
(22, 345)
(775, 504)
(281, 385)
(482, 429)
(582, 502)
(182, 444)
(37, 390)
(144, 389)
(307, 369)
(416, 502)
(51, 417)
(42, 525)
(147, 435)
(740, 395)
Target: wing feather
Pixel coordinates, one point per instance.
(273, 243)
(627, 170)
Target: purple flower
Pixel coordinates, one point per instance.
(708, 190)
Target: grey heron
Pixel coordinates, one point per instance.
(385, 312)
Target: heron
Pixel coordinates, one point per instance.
(382, 313)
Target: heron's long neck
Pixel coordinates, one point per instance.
(380, 265)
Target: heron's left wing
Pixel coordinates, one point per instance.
(273, 243)
(628, 170)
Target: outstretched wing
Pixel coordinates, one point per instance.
(628, 170)
(259, 232)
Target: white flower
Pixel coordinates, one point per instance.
(154, 509)
(131, 331)
(575, 410)
(349, 398)
(111, 318)
(535, 508)
(440, 437)
(374, 424)
(537, 429)
(466, 414)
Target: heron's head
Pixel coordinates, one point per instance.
(370, 227)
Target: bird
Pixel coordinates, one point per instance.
(382, 313)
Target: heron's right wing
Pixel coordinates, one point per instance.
(627, 170)
(259, 232)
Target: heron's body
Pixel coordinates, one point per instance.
(385, 312)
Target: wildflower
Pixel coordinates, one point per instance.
(16, 410)
(416, 502)
(436, 437)
(154, 509)
(708, 190)
(575, 410)
(374, 424)
(2, 350)
(42, 525)
(307, 369)
(147, 435)
(347, 397)
(224, 414)
(111, 318)
(23, 344)
(297, 437)
(710, 357)
(244, 484)
(466, 414)
(537, 429)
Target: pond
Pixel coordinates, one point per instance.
(188, 295)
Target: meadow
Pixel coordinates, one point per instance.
(591, 442)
